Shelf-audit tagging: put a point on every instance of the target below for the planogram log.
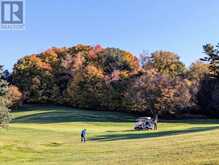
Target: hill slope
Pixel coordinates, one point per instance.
(51, 135)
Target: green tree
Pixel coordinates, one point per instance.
(4, 111)
(212, 58)
(208, 94)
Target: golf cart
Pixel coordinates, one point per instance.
(144, 123)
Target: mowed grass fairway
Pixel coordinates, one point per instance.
(51, 136)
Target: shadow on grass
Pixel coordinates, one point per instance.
(44, 115)
(151, 134)
(58, 114)
(193, 121)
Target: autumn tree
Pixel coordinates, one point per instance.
(86, 88)
(14, 96)
(195, 75)
(100, 81)
(94, 77)
(35, 78)
(145, 92)
(165, 62)
(176, 97)
(118, 66)
(198, 70)
(155, 93)
(112, 59)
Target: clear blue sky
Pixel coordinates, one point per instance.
(182, 26)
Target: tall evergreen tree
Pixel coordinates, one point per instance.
(208, 98)
(213, 59)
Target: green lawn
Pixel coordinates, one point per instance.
(51, 136)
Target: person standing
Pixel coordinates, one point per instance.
(83, 135)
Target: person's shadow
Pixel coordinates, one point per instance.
(150, 134)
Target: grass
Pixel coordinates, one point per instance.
(51, 136)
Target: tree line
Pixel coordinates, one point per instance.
(94, 77)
